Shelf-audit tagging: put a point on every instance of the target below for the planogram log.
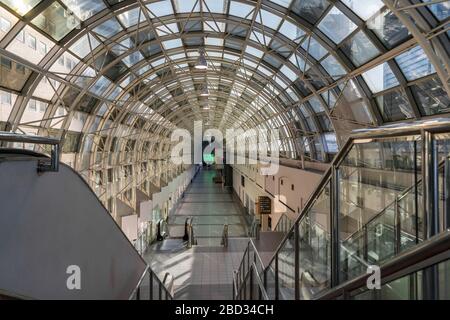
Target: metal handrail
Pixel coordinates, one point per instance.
(224, 241)
(163, 292)
(426, 254)
(43, 166)
(252, 271)
(169, 277)
(284, 217)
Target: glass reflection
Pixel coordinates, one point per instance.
(22, 7)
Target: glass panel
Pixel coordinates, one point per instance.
(406, 288)
(380, 78)
(431, 97)
(34, 112)
(314, 48)
(440, 10)
(160, 8)
(286, 272)
(443, 160)
(291, 31)
(7, 21)
(131, 17)
(314, 247)
(360, 49)
(21, 6)
(56, 21)
(409, 287)
(333, 67)
(394, 106)
(84, 9)
(284, 3)
(268, 19)
(240, 9)
(7, 101)
(310, 10)
(214, 6)
(84, 46)
(414, 63)
(13, 75)
(350, 106)
(364, 9)
(388, 29)
(187, 6)
(374, 180)
(108, 28)
(336, 25)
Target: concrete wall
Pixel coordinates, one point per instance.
(51, 221)
(278, 187)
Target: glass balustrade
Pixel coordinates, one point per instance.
(380, 199)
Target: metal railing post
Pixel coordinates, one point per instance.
(334, 223)
(398, 227)
(296, 262)
(447, 192)
(150, 281)
(251, 270)
(430, 180)
(276, 278)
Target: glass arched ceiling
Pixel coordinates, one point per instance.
(110, 76)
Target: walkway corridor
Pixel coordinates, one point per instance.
(204, 271)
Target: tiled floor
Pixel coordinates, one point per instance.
(204, 271)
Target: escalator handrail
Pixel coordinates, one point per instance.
(419, 257)
(53, 166)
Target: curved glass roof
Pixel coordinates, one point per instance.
(112, 79)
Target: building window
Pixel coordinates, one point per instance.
(42, 48)
(20, 68)
(32, 105)
(281, 181)
(68, 64)
(6, 63)
(292, 187)
(5, 98)
(5, 25)
(31, 41)
(21, 36)
(42, 106)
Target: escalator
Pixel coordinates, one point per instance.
(385, 197)
(57, 240)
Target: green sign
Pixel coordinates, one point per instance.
(208, 158)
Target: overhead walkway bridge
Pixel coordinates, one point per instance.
(384, 202)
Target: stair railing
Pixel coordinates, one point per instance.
(425, 131)
(157, 289)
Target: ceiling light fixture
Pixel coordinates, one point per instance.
(201, 64)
